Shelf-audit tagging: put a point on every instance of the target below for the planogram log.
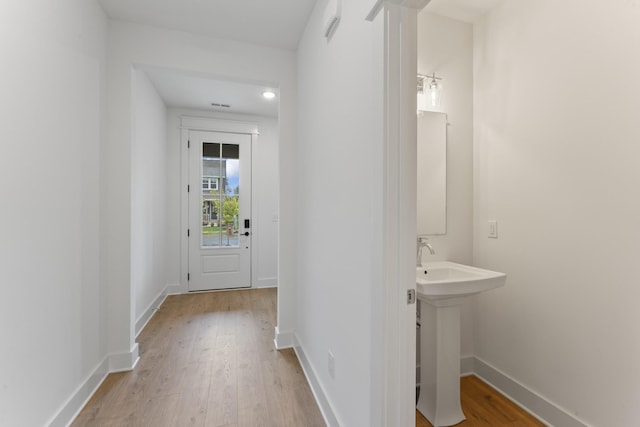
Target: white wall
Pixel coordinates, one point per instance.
(445, 46)
(131, 45)
(52, 316)
(556, 106)
(265, 204)
(265, 196)
(340, 197)
(149, 182)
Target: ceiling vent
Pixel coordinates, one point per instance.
(215, 104)
(331, 18)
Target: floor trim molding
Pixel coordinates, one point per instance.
(111, 363)
(267, 282)
(316, 388)
(79, 398)
(116, 362)
(527, 399)
(283, 340)
(150, 311)
(122, 362)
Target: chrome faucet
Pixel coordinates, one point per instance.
(422, 243)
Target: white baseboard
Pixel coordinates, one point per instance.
(74, 404)
(112, 363)
(268, 282)
(176, 289)
(283, 339)
(72, 407)
(144, 318)
(122, 362)
(321, 398)
(530, 401)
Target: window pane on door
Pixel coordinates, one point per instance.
(220, 194)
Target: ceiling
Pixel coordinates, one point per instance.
(461, 10)
(275, 23)
(272, 23)
(181, 90)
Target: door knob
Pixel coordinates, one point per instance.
(246, 233)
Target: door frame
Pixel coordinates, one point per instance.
(399, 63)
(221, 259)
(192, 123)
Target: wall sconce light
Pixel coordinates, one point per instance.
(429, 92)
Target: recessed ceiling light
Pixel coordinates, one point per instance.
(269, 94)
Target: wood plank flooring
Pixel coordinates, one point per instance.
(485, 407)
(208, 359)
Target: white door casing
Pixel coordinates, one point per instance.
(397, 397)
(219, 259)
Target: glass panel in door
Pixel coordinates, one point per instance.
(220, 195)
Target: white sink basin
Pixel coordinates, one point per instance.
(441, 280)
(443, 286)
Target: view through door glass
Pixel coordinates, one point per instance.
(220, 194)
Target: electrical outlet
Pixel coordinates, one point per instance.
(331, 365)
(493, 229)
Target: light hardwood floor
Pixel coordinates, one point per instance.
(485, 407)
(208, 359)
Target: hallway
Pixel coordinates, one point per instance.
(208, 359)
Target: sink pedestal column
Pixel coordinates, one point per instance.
(439, 398)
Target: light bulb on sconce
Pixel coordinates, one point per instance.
(435, 90)
(429, 92)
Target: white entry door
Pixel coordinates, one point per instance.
(219, 210)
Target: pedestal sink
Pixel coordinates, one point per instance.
(442, 287)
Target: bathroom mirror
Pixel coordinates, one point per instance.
(432, 173)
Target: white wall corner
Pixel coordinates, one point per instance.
(177, 289)
(144, 318)
(74, 404)
(283, 339)
(120, 362)
(316, 388)
(466, 365)
(527, 399)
